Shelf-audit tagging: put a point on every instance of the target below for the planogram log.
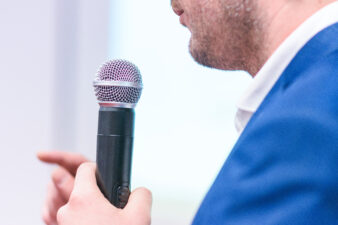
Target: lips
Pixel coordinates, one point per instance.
(178, 12)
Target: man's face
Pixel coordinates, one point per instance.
(223, 32)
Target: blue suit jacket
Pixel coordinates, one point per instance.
(284, 168)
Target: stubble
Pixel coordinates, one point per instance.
(228, 36)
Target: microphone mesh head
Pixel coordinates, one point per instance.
(118, 81)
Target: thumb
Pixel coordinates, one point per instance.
(85, 180)
(140, 202)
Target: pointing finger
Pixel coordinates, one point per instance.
(70, 161)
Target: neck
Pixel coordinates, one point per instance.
(283, 17)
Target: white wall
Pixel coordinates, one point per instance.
(82, 32)
(49, 53)
(26, 73)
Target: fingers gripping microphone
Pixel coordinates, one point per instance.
(118, 87)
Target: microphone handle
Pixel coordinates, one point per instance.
(114, 153)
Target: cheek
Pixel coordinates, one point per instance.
(207, 12)
(204, 18)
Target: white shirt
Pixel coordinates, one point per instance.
(265, 79)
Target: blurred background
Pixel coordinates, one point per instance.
(49, 53)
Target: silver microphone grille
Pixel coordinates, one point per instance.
(118, 83)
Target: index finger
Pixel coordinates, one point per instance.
(69, 161)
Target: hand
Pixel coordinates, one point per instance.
(61, 185)
(87, 205)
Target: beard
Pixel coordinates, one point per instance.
(228, 38)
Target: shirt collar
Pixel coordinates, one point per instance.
(277, 63)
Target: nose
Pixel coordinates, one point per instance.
(177, 7)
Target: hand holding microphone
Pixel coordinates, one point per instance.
(118, 87)
(79, 201)
(88, 206)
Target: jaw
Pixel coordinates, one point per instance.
(227, 37)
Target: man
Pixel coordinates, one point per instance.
(284, 167)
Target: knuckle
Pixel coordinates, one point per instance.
(57, 174)
(61, 214)
(46, 218)
(146, 192)
(76, 200)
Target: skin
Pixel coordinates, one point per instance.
(241, 34)
(225, 34)
(62, 181)
(74, 198)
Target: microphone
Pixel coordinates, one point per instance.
(118, 87)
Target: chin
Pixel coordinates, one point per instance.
(197, 53)
(204, 55)
(201, 53)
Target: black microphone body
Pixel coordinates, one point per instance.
(118, 87)
(114, 153)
